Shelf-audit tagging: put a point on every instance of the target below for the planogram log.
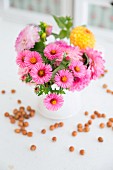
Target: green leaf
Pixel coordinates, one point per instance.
(55, 35)
(69, 24)
(59, 21)
(62, 34)
(28, 78)
(39, 47)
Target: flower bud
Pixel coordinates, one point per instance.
(48, 30)
(43, 35)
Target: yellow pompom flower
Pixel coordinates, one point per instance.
(82, 37)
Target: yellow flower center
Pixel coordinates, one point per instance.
(33, 60)
(53, 101)
(41, 73)
(53, 52)
(64, 79)
(77, 69)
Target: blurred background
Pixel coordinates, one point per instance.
(97, 14)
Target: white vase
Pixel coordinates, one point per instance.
(72, 105)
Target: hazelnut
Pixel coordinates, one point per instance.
(33, 147)
(30, 134)
(71, 148)
(100, 139)
(82, 152)
(109, 124)
(6, 114)
(74, 133)
(54, 139)
(102, 125)
(61, 124)
(43, 131)
(51, 127)
(86, 113)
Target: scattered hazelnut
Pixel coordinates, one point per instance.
(79, 125)
(103, 115)
(13, 91)
(102, 125)
(89, 122)
(86, 129)
(17, 130)
(20, 123)
(25, 124)
(111, 119)
(56, 125)
(33, 147)
(24, 132)
(51, 127)
(108, 91)
(6, 114)
(15, 111)
(3, 92)
(86, 113)
(74, 133)
(71, 148)
(12, 121)
(82, 152)
(30, 134)
(19, 101)
(32, 113)
(104, 86)
(61, 124)
(54, 139)
(93, 116)
(43, 131)
(28, 108)
(100, 139)
(109, 124)
(80, 130)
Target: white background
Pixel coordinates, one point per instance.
(14, 148)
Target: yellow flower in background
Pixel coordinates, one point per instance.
(82, 37)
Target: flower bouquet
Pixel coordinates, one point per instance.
(67, 64)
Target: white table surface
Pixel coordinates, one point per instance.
(14, 148)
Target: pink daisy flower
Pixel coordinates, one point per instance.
(78, 69)
(41, 73)
(20, 60)
(64, 79)
(32, 59)
(96, 63)
(53, 101)
(52, 51)
(27, 38)
(81, 83)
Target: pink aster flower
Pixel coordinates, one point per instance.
(53, 101)
(96, 63)
(20, 60)
(52, 51)
(23, 71)
(41, 73)
(61, 43)
(81, 83)
(64, 79)
(27, 38)
(74, 53)
(78, 69)
(32, 59)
